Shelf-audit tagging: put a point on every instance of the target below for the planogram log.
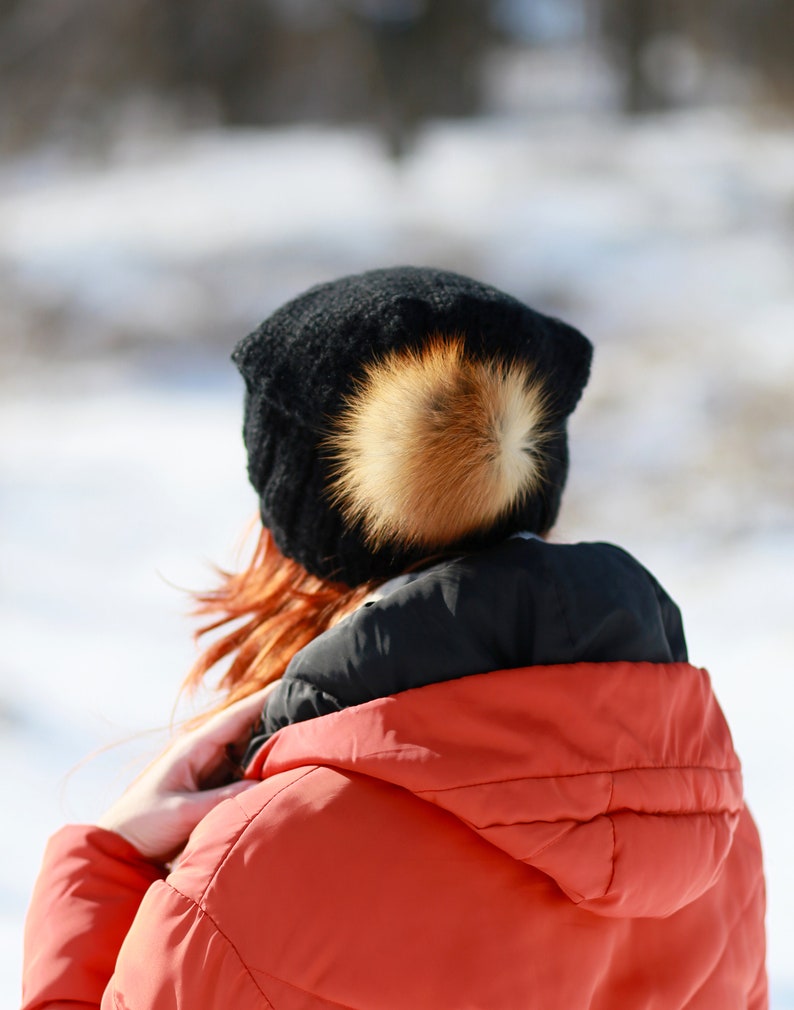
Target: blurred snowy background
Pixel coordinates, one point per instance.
(170, 173)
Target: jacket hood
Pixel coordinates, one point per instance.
(617, 780)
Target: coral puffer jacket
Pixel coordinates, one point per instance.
(568, 834)
(567, 837)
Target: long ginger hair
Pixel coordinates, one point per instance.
(272, 609)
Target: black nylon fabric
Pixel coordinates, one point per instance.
(523, 603)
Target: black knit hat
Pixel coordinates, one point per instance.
(365, 414)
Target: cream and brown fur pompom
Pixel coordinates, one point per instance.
(434, 446)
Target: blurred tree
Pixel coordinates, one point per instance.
(764, 39)
(631, 28)
(72, 69)
(660, 47)
(427, 60)
(67, 66)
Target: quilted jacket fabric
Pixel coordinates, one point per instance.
(545, 835)
(565, 836)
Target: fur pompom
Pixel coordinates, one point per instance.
(434, 446)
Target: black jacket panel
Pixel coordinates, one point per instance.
(523, 603)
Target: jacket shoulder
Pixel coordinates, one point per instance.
(276, 889)
(315, 882)
(208, 919)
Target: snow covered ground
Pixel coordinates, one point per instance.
(124, 286)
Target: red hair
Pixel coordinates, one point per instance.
(274, 607)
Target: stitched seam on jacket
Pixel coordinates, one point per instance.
(307, 992)
(607, 813)
(202, 910)
(198, 903)
(577, 822)
(536, 852)
(573, 775)
(243, 829)
(608, 888)
(220, 932)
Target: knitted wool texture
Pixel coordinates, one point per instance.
(302, 364)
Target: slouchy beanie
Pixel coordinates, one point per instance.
(404, 413)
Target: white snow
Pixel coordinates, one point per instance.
(668, 241)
